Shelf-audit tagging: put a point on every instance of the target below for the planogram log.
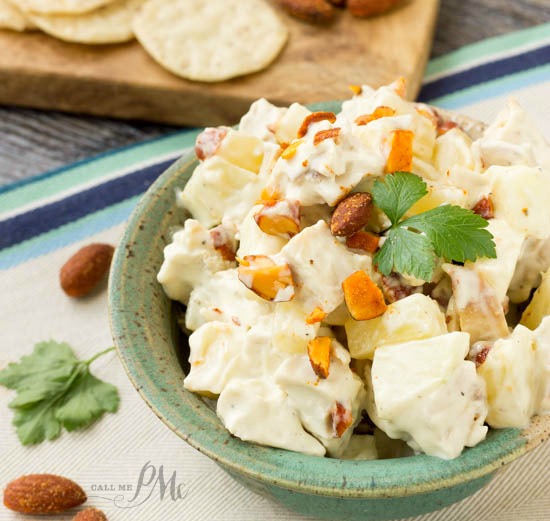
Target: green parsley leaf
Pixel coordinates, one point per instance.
(456, 233)
(406, 252)
(55, 390)
(397, 193)
(412, 245)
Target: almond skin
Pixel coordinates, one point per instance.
(40, 494)
(90, 514)
(85, 269)
(351, 214)
(365, 8)
(313, 11)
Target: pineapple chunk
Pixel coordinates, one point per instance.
(290, 332)
(425, 393)
(539, 306)
(287, 128)
(219, 189)
(412, 318)
(520, 198)
(242, 150)
(257, 410)
(436, 196)
(510, 375)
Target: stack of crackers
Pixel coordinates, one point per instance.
(201, 40)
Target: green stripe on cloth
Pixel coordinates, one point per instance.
(92, 169)
(486, 48)
(493, 88)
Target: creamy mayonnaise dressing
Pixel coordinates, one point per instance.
(442, 361)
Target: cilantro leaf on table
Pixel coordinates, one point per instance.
(412, 245)
(55, 390)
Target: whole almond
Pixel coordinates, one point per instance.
(43, 494)
(315, 11)
(365, 8)
(85, 269)
(90, 514)
(351, 214)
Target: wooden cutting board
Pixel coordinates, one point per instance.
(317, 64)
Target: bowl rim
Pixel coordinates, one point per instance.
(294, 471)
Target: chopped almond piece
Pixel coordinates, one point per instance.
(379, 112)
(281, 218)
(318, 351)
(269, 198)
(341, 420)
(331, 133)
(364, 299)
(485, 208)
(268, 280)
(290, 151)
(365, 241)
(444, 126)
(356, 89)
(223, 242)
(401, 151)
(425, 111)
(400, 86)
(209, 141)
(317, 315)
(314, 117)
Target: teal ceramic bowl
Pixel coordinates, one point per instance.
(154, 353)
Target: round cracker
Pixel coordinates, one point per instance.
(60, 6)
(210, 40)
(13, 18)
(109, 24)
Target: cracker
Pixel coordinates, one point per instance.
(13, 18)
(59, 6)
(109, 24)
(210, 40)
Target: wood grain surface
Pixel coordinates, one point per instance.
(33, 141)
(318, 63)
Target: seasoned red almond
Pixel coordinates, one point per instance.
(351, 214)
(42, 494)
(90, 514)
(365, 8)
(86, 269)
(314, 11)
(314, 117)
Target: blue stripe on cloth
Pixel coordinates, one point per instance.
(45, 218)
(13, 185)
(485, 72)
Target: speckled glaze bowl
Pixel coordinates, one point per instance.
(154, 353)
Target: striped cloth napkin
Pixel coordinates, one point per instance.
(45, 219)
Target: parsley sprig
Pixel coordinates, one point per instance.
(55, 390)
(413, 245)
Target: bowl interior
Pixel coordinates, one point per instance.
(154, 353)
